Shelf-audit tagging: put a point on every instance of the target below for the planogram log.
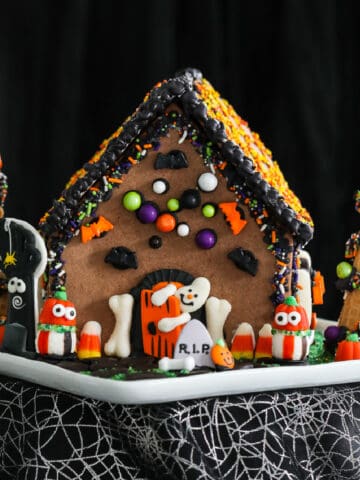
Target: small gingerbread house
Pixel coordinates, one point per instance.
(182, 190)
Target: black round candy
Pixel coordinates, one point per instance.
(155, 241)
(190, 198)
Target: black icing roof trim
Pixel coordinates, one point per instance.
(181, 90)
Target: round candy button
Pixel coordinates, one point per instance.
(132, 200)
(148, 212)
(207, 182)
(183, 229)
(206, 238)
(166, 222)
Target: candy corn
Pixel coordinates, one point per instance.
(264, 343)
(243, 343)
(90, 341)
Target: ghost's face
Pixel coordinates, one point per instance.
(192, 297)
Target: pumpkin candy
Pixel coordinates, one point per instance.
(221, 356)
(348, 349)
(290, 316)
(291, 331)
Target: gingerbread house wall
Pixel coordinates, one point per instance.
(91, 281)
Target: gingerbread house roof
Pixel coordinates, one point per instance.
(246, 160)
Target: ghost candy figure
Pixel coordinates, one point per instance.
(57, 327)
(192, 297)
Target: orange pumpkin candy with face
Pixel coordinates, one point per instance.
(57, 327)
(291, 331)
(221, 356)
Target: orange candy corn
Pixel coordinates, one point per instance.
(243, 343)
(89, 345)
(264, 343)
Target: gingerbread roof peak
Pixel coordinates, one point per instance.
(242, 150)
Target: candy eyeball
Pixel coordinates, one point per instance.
(207, 182)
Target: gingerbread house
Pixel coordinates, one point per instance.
(184, 189)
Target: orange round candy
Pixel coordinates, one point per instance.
(166, 222)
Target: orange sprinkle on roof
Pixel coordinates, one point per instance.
(238, 131)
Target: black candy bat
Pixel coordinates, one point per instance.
(175, 159)
(245, 260)
(122, 258)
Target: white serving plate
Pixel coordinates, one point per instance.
(162, 390)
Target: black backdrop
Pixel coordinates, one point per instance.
(71, 71)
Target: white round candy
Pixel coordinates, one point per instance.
(207, 182)
(160, 186)
(183, 229)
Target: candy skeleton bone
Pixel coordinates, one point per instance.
(186, 363)
(119, 342)
(217, 311)
(159, 297)
(169, 323)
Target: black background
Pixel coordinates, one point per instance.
(72, 71)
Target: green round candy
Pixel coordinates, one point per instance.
(343, 269)
(173, 204)
(208, 210)
(132, 200)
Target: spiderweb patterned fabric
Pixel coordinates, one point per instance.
(296, 434)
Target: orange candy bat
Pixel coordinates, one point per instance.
(232, 216)
(95, 229)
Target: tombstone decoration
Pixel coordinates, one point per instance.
(195, 341)
(23, 258)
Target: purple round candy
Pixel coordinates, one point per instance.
(206, 238)
(332, 333)
(148, 213)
